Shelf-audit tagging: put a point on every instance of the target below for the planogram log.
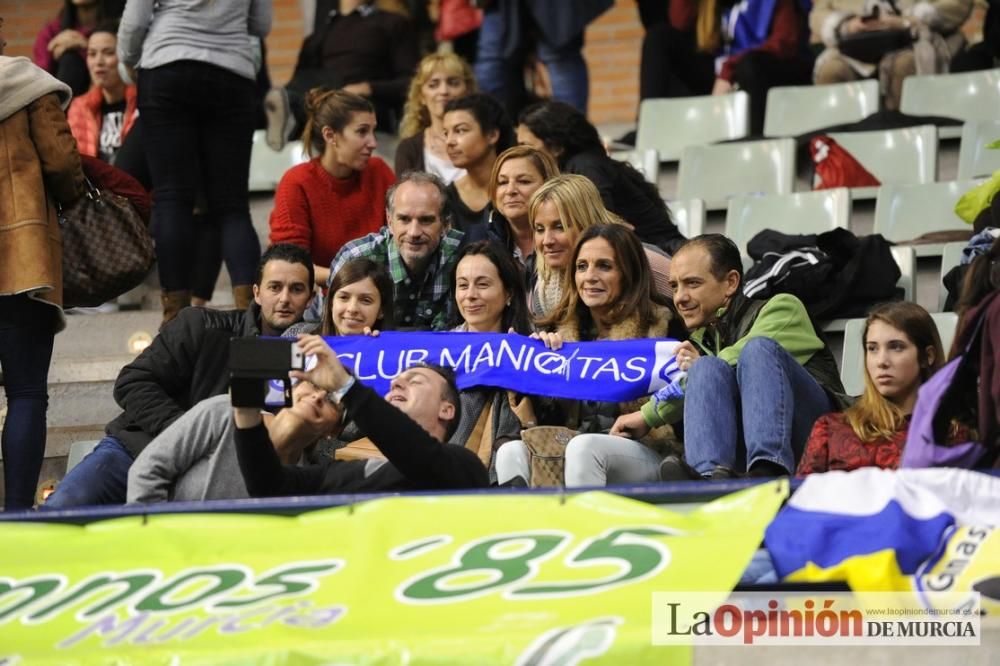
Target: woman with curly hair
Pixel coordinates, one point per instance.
(567, 135)
(440, 78)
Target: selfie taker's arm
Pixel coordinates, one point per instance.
(263, 472)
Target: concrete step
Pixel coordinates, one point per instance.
(104, 335)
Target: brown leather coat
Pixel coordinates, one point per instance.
(39, 165)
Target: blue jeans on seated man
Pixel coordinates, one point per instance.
(100, 478)
(761, 410)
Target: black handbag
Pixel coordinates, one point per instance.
(106, 248)
(871, 46)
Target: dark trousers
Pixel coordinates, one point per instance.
(26, 333)
(198, 121)
(71, 69)
(672, 67)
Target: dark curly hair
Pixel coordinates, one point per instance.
(564, 130)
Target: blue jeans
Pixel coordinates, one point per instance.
(198, 122)
(26, 332)
(100, 478)
(498, 76)
(763, 409)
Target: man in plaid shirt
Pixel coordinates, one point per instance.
(418, 248)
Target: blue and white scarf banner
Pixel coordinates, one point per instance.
(606, 370)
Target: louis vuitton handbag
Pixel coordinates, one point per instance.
(106, 248)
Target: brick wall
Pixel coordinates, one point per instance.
(611, 47)
(613, 44)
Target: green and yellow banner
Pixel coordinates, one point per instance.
(502, 579)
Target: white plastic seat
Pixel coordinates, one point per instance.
(717, 173)
(951, 256)
(646, 162)
(904, 212)
(670, 125)
(795, 110)
(689, 216)
(906, 259)
(267, 166)
(799, 213)
(852, 366)
(974, 158)
(907, 155)
(967, 96)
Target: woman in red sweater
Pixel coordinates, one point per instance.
(338, 195)
(902, 350)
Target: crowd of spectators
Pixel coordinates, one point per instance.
(471, 233)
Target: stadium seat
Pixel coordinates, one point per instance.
(267, 166)
(974, 158)
(799, 213)
(904, 212)
(669, 125)
(689, 216)
(951, 256)
(828, 105)
(965, 96)
(716, 173)
(906, 259)
(646, 162)
(78, 451)
(906, 155)
(852, 365)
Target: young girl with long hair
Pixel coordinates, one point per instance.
(902, 350)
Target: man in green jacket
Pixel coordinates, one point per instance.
(758, 374)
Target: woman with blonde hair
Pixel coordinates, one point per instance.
(559, 212)
(440, 78)
(902, 350)
(517, 174)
